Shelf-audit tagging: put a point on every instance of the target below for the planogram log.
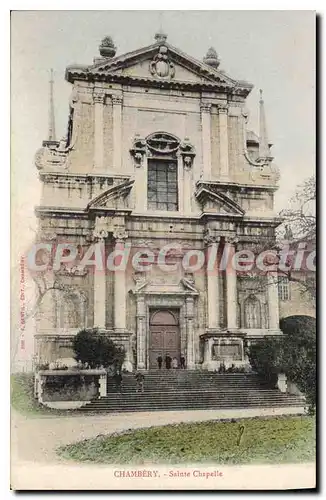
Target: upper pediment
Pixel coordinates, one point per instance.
(159, 62)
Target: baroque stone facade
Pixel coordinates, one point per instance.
(158, 153)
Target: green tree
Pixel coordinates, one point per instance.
(96, 350)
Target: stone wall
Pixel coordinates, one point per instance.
(299, 303)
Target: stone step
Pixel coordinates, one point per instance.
(185, 390)
(143, 402)
(189, 405)
(181, 407)
(141, 398)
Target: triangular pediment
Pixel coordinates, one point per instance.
(115, 198)
(217, 203)
(159, 62)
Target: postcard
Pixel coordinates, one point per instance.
(163, 250)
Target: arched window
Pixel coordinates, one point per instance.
(252, 312)
(162, 182)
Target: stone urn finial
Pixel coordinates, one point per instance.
(211, 58)
(107, 48)
(160, 36)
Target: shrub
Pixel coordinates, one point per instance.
(293, 354)
(265, 357)
(300, 355)
(95, 350)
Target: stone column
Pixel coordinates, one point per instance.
(117, 131)
(141, 333)
(120, 293)
(141, 186)
(98, 98)
(273, 304)
(187, 186)
(180, 185)
(224, 141)
(213, 303)
(207, 354)
(206, 140)
(100, 290)
(231, 284)
(190, 333)
(102, 385)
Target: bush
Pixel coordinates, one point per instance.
(95, 350)
(300, 355)
(293, 354)
(265, 357)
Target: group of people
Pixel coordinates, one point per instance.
(139, 376)
(117, 377)
(171, 362)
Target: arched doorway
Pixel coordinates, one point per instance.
(164, 335)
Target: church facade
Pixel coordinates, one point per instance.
(158, 165)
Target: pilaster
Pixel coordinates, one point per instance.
(213, 300)
(141, 332)
(273, 301)
(117, 131)
(231, 284)
(120, 320)
(224, 142)
(190, 333)
(205, 109)
(98, 99)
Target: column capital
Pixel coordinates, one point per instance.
(101, 229)
(222, 109)
(205, 107)
(116, 100)
(211, 237)
(120, 235)
(98, 97)
(231, 240)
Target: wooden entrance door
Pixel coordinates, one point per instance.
(164, 336)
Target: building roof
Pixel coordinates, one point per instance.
(110, 69)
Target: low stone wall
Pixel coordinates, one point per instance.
(68, 389)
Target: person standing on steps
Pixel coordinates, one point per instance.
(159, 362)
(182, 362)
(174, 363)
(140, 381)
(118, 381)
(168, 360)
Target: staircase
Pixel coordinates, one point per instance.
(191, 390)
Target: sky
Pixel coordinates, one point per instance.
(274, 50)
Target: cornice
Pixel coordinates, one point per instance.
(80, 178)
(161, 84)
(237, 186)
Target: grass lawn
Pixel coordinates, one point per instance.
(287, 439)
(22, 397)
